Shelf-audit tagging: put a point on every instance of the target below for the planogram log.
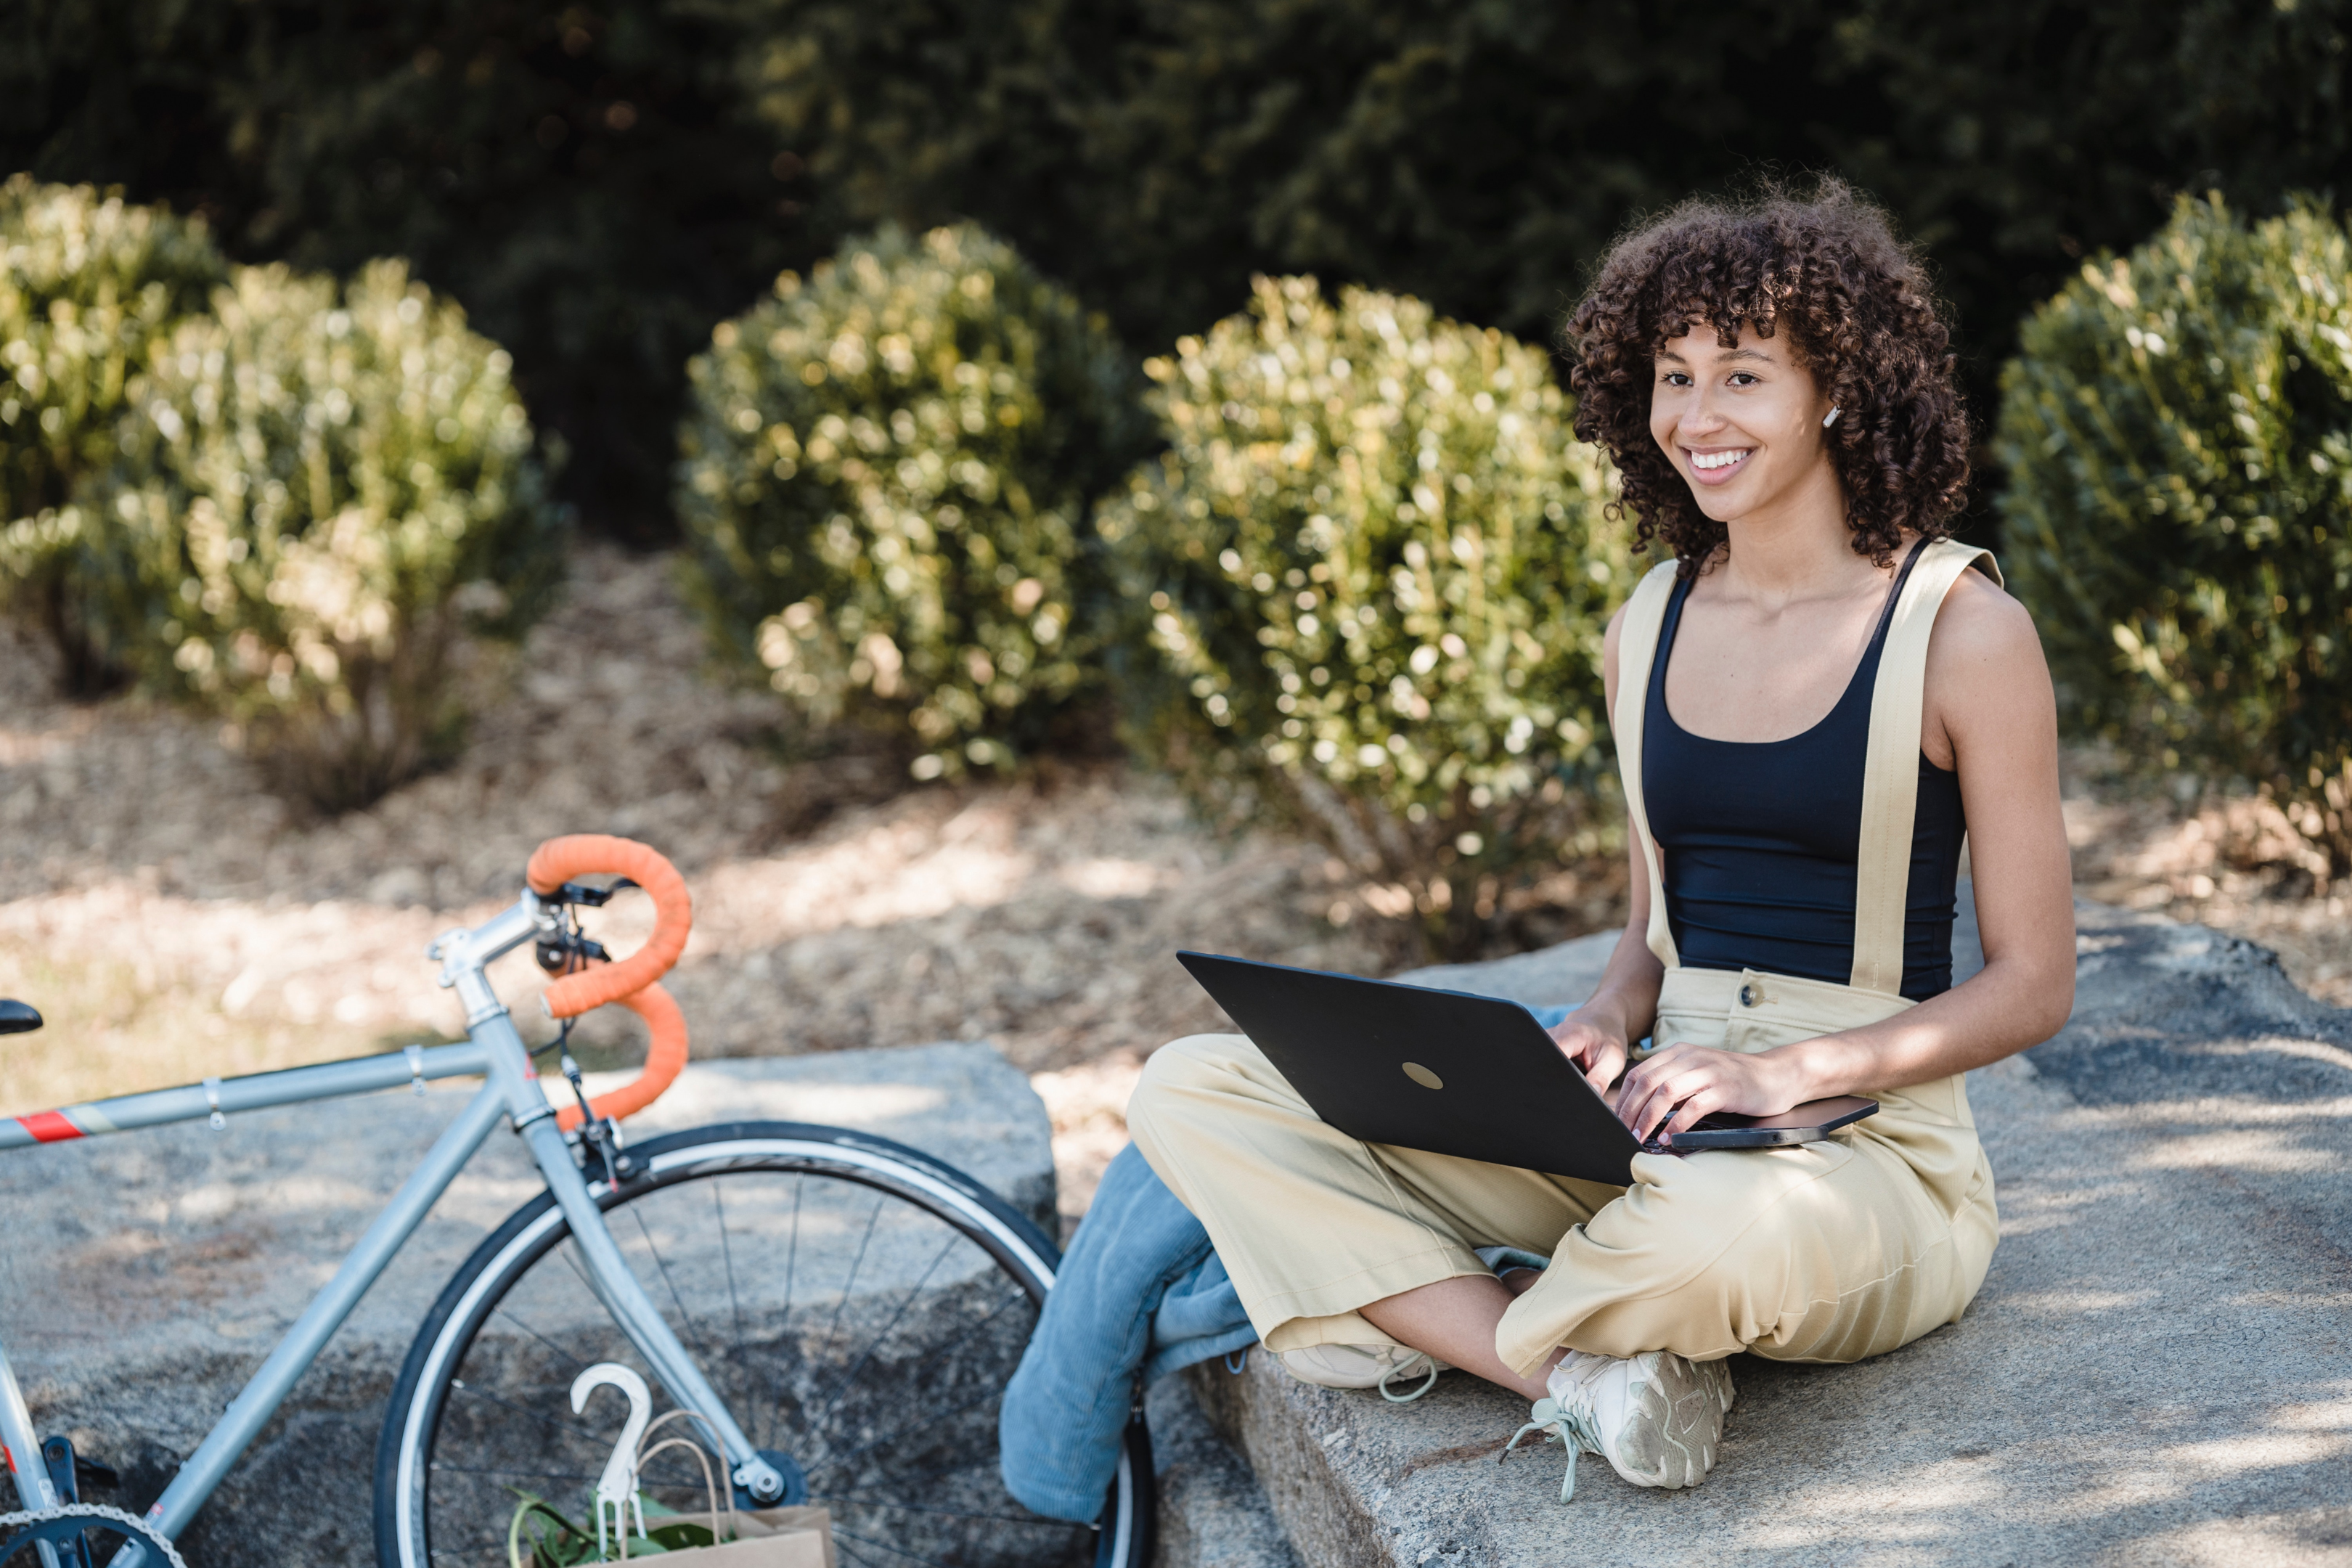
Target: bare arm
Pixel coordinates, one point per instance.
(1991, 714)
(1597, 1035)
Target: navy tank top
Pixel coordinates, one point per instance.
(1760, 838)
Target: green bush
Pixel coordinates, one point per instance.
(2179, 432)
(887, 486)
(330, 490)
(87, 282)
(1376, 573)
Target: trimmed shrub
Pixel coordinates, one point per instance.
(331, 489)
(87, 282)
(2178, 434)
(887, 486)
(1376, 574)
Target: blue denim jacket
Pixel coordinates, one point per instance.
(1139, 1289)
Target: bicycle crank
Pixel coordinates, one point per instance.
(65, 1526)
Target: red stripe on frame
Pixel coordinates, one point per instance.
(48, 1126)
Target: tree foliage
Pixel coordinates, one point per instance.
(577, 176)
(1374, 572)
(2178, 434)
(88, 282)
(888, 487)
(1155, 152)
(328, 492)
(599, 184)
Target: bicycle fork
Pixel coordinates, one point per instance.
(512, 1076)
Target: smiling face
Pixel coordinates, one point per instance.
(1743, 425)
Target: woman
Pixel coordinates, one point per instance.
(1812, 702)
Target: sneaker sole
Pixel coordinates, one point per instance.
(1677, 1425)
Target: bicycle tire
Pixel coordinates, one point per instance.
(410, 1452)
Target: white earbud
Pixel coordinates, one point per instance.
(1831, 418)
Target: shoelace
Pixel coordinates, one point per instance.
(1572, 1428)
(1420, 1359)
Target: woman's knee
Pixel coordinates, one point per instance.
(1183, 1068)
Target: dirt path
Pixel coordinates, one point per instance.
(172, 918)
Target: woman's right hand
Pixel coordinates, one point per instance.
(1596, 1045)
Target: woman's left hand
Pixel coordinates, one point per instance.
(1670, 1090)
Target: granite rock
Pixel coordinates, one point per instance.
(2158, 1369)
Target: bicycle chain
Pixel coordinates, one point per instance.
(132, 1525)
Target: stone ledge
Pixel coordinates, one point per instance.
(2158, 1369)
(145, 1276)
(1213, 1513)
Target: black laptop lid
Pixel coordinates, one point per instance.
(1443, 1070)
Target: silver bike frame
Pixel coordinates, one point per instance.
(493, 1048)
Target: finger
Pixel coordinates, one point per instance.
(1604, 1066)
(1642, 1110)
(1642, 1083)
(1670, 1091)
(1688, 1114)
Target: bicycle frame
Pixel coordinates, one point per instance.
(494, 1049)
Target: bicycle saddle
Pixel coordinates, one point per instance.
(18, 1018)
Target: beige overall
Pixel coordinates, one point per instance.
(1829, 1252)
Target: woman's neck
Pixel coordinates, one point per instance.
(1798, 550)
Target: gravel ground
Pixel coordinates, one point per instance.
(175, 919)
(2230, 862)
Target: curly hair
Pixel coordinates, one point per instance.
(1860, 314)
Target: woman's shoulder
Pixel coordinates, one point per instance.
(1978, 620)
(1984, 658)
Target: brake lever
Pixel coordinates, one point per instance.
(587, 896)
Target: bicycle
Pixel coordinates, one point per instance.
(840, 1312)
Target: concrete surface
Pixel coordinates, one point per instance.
(1213, 1513)
(2158, 1371)
(143, 1277)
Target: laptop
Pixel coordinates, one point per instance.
(1460, 1074)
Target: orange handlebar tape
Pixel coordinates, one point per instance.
(664, 1058)
(559, 861)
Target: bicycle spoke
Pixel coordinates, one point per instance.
(692, 1331)
(894, 1550)
(539, 1416)
(857, 1369)
(1033, 1522)
(932, 1473)
(829, 1460)
(856, 1263)
(440, 1469)
(784, 1318)
(508, 1314)
(942, 1352)
(569, 1253)
(727, 1257)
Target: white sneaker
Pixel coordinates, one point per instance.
(1364, 1366)
(1656, 1417)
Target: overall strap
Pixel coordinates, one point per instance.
(1637, 650)
(1890, 788)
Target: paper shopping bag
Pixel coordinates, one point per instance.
(768, 1538)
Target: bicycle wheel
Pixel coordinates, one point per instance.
(860, 1305)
